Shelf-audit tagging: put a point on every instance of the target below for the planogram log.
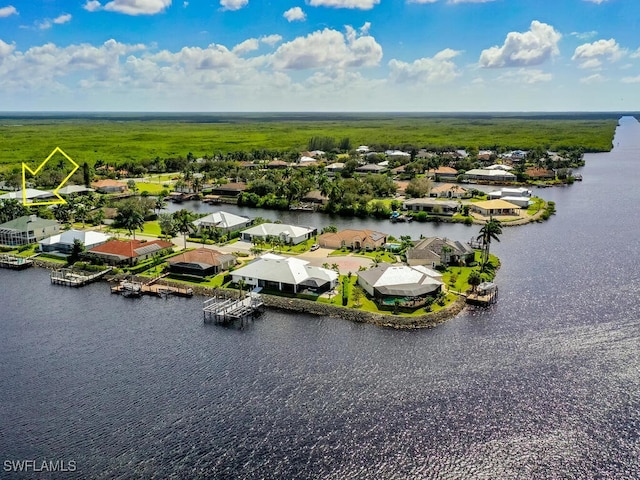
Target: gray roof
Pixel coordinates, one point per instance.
(27, 222)
(400, 280)
(430, 246)
(222, 220)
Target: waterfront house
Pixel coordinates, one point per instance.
(495, 207)
(222, 221)
(201, 262)
(435, 207)
(509, 192)
(436, 251)
(232, 189)
(400, 281)
(109, 186)
(130, 252)
(449, 190)
(285, 274)
(288, 234)
(540, 173)
(486, 175)
(315, 196)
(353, 239)
(27, 229)
(63, 242)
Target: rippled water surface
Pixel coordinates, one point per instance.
(545, 384)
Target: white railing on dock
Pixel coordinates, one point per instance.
(227, 309)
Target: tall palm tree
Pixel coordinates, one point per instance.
(488, 232)
(183, 219)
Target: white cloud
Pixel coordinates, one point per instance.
(584, 35)
(631, 79)
(295, 14)
(8, 11)
(92, 6)
(5, 49)
(526, 75)
(39, 67)
(596, 1)
(359, 4)
(436, 69)
(48, 23)
(593, 79)
(247, 46)
(233, 4)
(132, 7)
(533, 47)
(421, 1)
(635, 54)
(62, 19)
(591, 55)
(328, 49)
(470, 1)
(271, 40)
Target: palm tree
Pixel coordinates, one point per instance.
(159, 204)
(488, 232)
(80, 213)
(183, 219)
(241, 285)
(131, 219)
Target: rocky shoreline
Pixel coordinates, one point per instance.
(428, 320)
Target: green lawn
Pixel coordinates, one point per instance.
(381, 256)
(538, 205)
(151, 188)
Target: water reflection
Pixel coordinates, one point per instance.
(542, 385)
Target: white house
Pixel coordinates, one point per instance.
(289, 234)
(388, 280)
(63, 242)
(490, 175)
(227, 222)
(286, 274)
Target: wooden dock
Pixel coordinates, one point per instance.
(225, 310)
(71, 278)
(137, 289)
(486, 294)
(15, 263)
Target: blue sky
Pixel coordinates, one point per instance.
(320, 55)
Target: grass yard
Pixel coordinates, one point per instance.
(151, 188)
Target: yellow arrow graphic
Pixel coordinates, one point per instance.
(60, 200)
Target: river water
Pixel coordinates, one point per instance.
(545, 384)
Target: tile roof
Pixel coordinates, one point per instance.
(202, 256)
(130, 248)
(349, 235)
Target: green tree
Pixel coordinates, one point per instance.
(474, 280)
(183, 221)
(489, 231)
(131, 184)
(80, 213)
(76, 250)
(86, 174)
(130, 216)
(11, 209)
(167, 225)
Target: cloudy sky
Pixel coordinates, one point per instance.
(320, 55)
